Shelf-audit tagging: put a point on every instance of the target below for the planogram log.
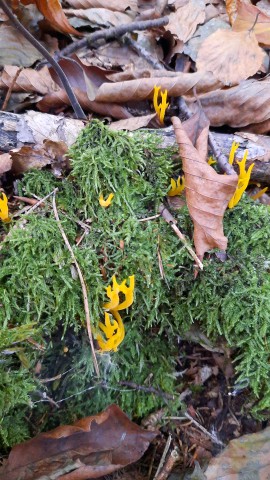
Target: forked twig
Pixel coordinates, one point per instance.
(83, 285)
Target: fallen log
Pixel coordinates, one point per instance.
(32, 128)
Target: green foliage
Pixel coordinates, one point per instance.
(41, 295)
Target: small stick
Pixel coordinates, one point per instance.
(172, 222)
(142, 388)
(83, 285)
(163, 457)
(9, 92)
(200, 427)
(109, 33)
(73, 100)
(149, 218)
(169, 464)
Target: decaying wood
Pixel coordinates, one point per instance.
(32, 128)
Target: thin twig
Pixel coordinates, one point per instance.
(110, 33)
(149, 218)
(163, 457)
(172, 459)
(142, 388)
(73, 100)
(172, 222)
(200, 427)
(83, 285)
(9, 92)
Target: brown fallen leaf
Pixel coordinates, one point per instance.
(143, 88)
(184, 21)
(245, 104)
(29, 80)
(230, 56)
(245, 20)
(231, 8)
(247, 457)
(28, 157)
(18, 51)
(90, 448)
(109, 4)
(52, 11)
(5, 163)
(133, 123)
(100, 16)
(207, 192)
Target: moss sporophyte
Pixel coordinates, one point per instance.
(113, 328)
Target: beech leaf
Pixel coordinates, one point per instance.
(90, 448)
(109, 4)
(52, 11)
(230, 56)
(207, 192)
(245, 20)
(184, 21)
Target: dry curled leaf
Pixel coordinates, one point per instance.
(52, 11)
(231, 8)
(143, 88)
(109, 4)
(133, 123)
(247, 457)
(18, 51)
(245, 104)
(101, 16)
(230, 56)
(90, 448)
(184, 21)
(207, 192)
(251, 17)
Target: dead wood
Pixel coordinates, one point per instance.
(32, 128)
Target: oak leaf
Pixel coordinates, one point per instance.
(207, 192)
(230, 56)
(90, 448)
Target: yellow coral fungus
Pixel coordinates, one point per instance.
(114, 332)
(177, 186)
(211, 161)
(106, 203)
(114, 328)
(161, 107)
(4, 208)
(243, 180)
(234, 147)
(259, 193)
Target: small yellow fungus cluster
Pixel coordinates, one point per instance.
(160, 108)
(105, 203)
(4, 209)
(177, 186)
(113, 327)
(243, 177)
(211, 161)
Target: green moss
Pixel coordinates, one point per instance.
(42, 298)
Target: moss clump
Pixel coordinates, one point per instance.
(39, 286)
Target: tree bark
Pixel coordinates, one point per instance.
(32, 128)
